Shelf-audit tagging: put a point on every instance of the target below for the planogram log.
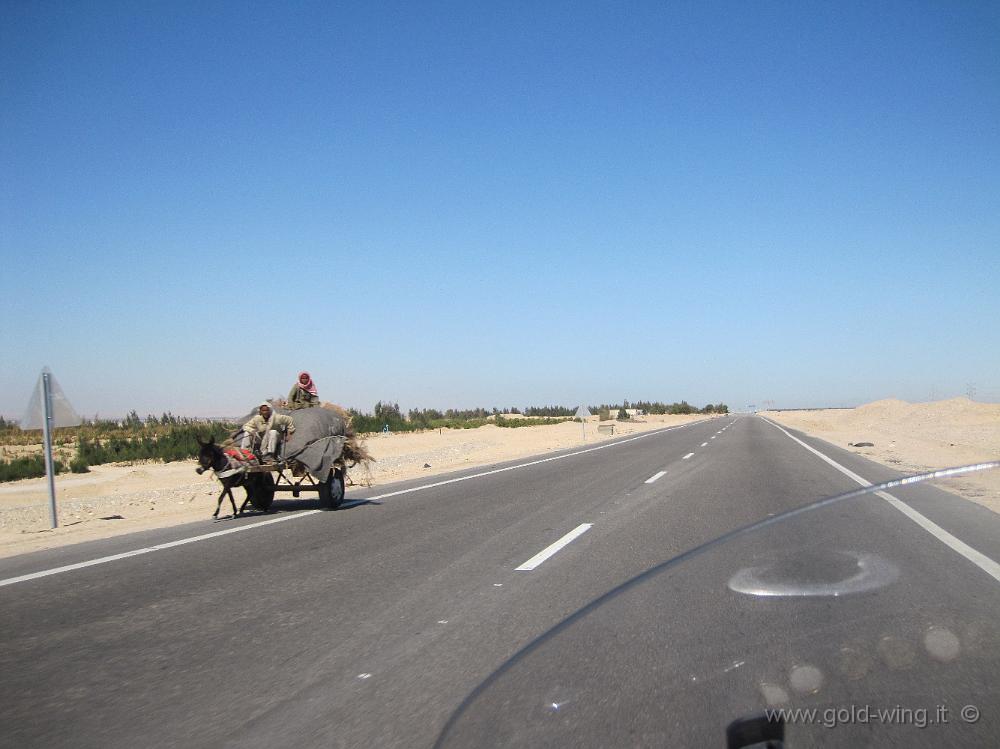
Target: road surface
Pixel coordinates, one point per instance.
(369, 626)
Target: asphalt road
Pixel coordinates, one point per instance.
(378, 624)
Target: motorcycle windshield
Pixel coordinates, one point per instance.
(868, 619)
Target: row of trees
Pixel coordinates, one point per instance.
(656, 407)
(178, 441)
(549, 411)
(388, 415)
(134, 421)
(171, 438)
(131, 426)
(431, 418)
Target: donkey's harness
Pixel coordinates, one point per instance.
(237, 462)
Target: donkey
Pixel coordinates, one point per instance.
(226, 465)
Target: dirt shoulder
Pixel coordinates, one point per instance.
(116, 499)
(915, 437)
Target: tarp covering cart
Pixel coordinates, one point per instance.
(312, 459)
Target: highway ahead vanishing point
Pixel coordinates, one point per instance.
(385, 624)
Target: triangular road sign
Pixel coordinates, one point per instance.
(63, 414)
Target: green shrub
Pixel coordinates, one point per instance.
(26, 468)
(176, 442)
(503, 421)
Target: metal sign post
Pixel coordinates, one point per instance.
(48, 409)
(50, 470)
(582, 413)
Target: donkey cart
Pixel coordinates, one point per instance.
(314, 458)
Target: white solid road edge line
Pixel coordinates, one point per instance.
(553, 548)
(148, 549)
(979, 559)
(307, 513)
(655, 476)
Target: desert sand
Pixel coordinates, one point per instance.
(118, 498)
(915, 437)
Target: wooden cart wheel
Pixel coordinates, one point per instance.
(331, 491)
(263, 494)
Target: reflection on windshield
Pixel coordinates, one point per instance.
(843, 573)
(835, 614)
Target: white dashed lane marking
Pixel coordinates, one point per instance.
(553, 548)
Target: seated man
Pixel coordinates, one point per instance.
(269, 427)
(303, 393)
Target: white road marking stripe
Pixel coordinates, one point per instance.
(149, 549)
(704, 444)
(307, 513)
(553, 548)
(714, 436)
(687, 456)
(656, 476)
(979, 559)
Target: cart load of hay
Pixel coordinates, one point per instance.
(323, 438)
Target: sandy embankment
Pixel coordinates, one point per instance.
(916, 437)
(115, 499)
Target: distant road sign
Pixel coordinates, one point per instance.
(582, 413)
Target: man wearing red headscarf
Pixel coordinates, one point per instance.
(303, 393)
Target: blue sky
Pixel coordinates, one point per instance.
(458, 204)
